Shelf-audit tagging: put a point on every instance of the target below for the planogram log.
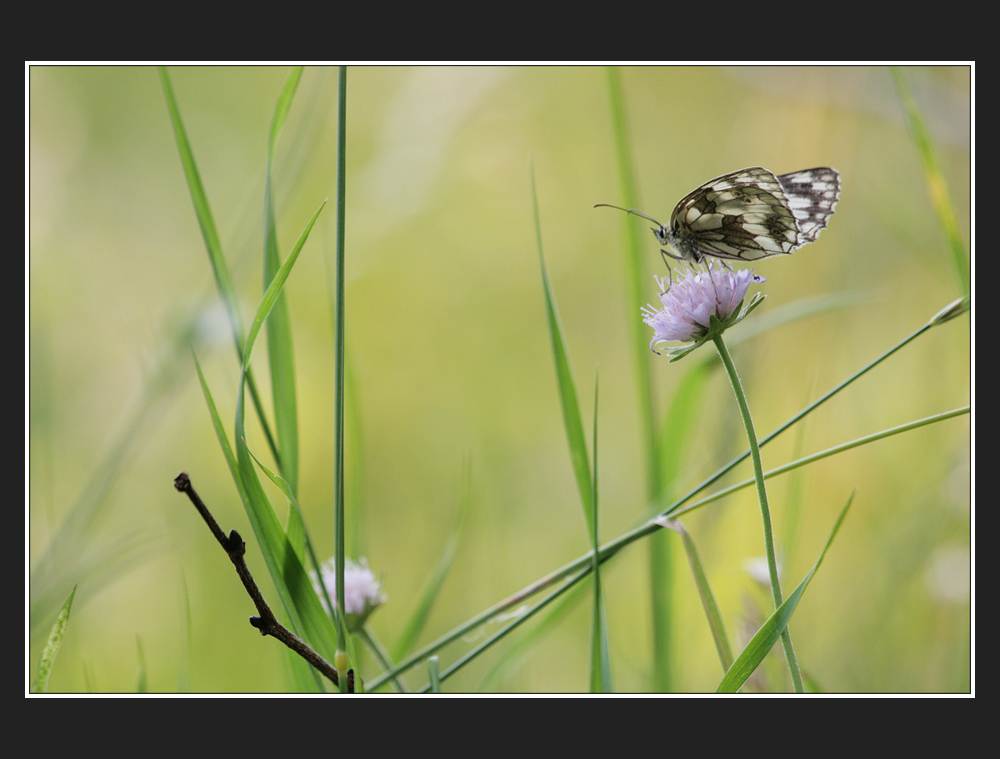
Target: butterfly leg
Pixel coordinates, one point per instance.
(670, 272)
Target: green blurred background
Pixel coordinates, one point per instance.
(450, 364)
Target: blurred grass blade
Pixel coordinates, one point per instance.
(382, 655)
(427, 596)
(770, 631)
(142, 684)
(432, 586)
(41, 684)
(600, 662)
(202, 210)
(661, 581)
(636, 282)
(712, 614)
(937, 186)
(280, 349)
(567, 390)
(433, 675)
(187, 644)
(223, 280)
(680, 424)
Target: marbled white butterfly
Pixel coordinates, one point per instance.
(749, 214)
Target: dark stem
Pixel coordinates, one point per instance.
(266, 623)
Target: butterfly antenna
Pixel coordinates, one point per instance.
(630, 210)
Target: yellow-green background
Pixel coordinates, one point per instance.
(450, 361)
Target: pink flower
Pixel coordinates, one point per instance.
(362, 592)
(701, 304)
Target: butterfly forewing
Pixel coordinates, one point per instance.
(751, 214)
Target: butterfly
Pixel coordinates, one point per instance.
(749, 214)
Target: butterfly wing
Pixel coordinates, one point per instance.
(812, 195)
(751, 214)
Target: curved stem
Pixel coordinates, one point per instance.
(765, 512)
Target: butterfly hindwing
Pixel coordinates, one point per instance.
(812, 196)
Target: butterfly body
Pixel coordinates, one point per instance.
(750, 214)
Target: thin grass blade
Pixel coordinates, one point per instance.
(303, 676)
(300, 600)
(564, 378)
(223, 280)
(305, 612)
(274, 289)
(220, 430)
(433, 675)
(432, 586)
(635, 269)
(770, 632)
(711, 608)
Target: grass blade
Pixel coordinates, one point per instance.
(857, 442)
(142, 683)
(712, 614)
(302, 675)
(274, 289)
(340, 309)
(661, 581)
(637, 283)
(432, 586)
(41, 683)
(434, 675)
(564, 377)
(220, 430)
(305, 612)
(279, 326)
(300, 601)
(770, 632)
(600, 660)
(223, 280)
(937, 186)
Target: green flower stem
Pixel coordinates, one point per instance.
(765, 512)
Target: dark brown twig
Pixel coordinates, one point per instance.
(266, 623)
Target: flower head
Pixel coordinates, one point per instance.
(362, 592)
(701, 304)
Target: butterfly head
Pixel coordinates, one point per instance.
(665, 237)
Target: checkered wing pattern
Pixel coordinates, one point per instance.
(751, 214)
